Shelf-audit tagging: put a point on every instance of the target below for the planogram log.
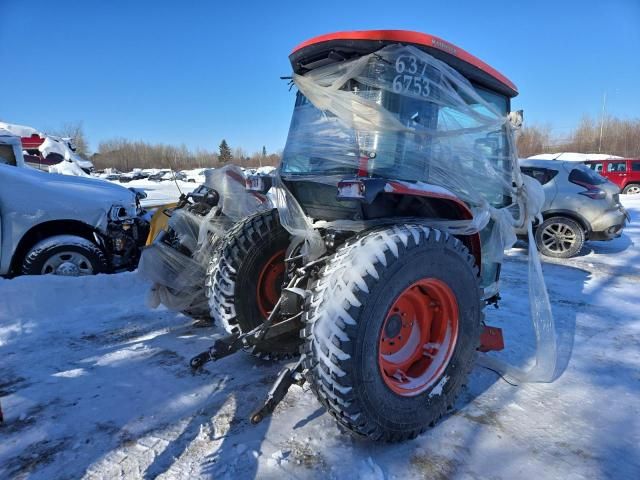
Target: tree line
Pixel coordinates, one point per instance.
(126, 155)
(610, 135)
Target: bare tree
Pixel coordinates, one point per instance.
(75, 131)
(614, 136)
(533, 140)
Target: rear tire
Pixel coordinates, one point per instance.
(67, 255)
(559, 237)
(245, 277)
(632, 189)
(353, 300)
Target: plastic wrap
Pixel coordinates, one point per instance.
(401, 114)
(177, 261)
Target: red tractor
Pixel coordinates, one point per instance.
(385, 245)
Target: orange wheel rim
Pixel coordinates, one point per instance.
(270, 283)
(418, 337)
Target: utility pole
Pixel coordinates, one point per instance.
(604, 103)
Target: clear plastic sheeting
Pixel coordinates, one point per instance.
(177, 261)
(400, 114)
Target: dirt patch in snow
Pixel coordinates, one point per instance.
(38, 455)
(11, 384)
(436, 467)
(305, 455)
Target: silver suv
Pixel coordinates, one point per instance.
(64, 225)
(579, 205)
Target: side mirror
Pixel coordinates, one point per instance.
(516, 119)
(140, 194)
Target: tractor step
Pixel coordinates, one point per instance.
(491, 339)
(286, 378)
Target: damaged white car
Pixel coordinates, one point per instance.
(56, 224)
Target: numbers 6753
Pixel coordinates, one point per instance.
(411, 84)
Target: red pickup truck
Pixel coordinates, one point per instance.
(624, 172)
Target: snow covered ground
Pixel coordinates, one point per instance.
(95, 384)
(160, 193)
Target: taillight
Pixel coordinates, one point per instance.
(350, 190)
(594, 193)
(259, 183)
(254, 183)
(591, 190)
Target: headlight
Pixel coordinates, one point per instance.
(121, 213)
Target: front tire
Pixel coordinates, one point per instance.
(66, 255)
(245, 277)
(350, 355)
(559, 237)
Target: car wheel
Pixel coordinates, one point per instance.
(66, 255)
(559, 237)
(631, 189)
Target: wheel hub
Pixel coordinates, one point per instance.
(418, 337)
(270, 283)
(393, 326)
(558, 237)
(68, 264)
(67, 269)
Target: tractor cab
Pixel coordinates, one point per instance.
(412, 126)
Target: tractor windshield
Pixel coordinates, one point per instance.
(400, 114)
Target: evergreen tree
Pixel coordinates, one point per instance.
(225, 152)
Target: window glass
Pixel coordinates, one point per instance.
(595, 166)
(635, 166)
(499, 101)
(7, 155)
(583, 175)
(617, 167)
(543, 175)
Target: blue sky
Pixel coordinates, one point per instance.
(194, 72)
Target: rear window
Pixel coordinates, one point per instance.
(583, 174)
(543, 175)
(635, 166)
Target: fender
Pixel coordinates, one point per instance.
(433, 191)
(367, 189)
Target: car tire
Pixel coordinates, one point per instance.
(632, 189)
(244, 280)
(396, 275)
(559, 237)
(67, 255)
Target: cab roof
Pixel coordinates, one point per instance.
(341, 46)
